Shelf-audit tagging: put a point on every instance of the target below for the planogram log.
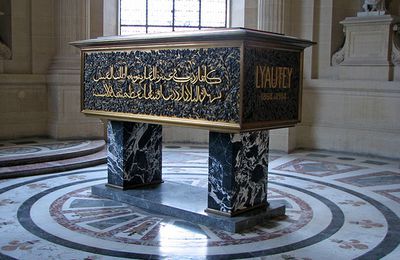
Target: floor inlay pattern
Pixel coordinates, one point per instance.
(33, 148)
(316, 168)
(373, 179)
(56, 216)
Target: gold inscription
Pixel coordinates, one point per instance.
(201, 75)
(186, 93)
(273, 77)
(150, 85)
(273, 96)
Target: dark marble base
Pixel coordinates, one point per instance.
(188, 203)
(237, 171)
(134, 154)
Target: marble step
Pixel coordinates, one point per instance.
(93, 159)
(46, 151)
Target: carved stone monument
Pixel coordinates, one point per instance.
(237, 83)
(373, 7)
(371, 48)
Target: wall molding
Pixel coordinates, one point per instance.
(21, 80)
(356, 87)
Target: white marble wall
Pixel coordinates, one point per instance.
(357, 115)
(40, 84)
(72, 20)
(23, 89)
(23, 105)
(352, 116)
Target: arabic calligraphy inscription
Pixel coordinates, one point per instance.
(150, 84)
(193, 83)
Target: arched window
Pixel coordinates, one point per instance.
(148, 16)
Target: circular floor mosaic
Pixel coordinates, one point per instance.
(40, 148)
(57, 217)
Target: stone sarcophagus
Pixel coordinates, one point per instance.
(237, 83)
(232, 80)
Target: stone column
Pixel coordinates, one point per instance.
(72, 22)
(134, 154)
(238, 172)
(273, 15)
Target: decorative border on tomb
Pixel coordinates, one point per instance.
(272, 86)
(187, 86)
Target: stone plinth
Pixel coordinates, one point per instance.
(134, 154)
(238, 168)
(369, 51)
(186, 202)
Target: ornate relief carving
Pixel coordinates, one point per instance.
(373, 5)
(5, 52)
(338, 57)
(373, 8)
(396, 56)
(396, 45)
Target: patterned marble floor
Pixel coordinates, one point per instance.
(338, 207)
(37, 146)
